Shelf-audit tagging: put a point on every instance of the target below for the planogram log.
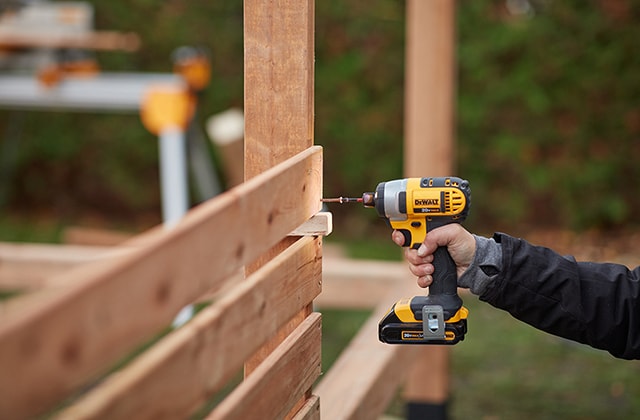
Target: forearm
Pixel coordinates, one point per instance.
(596, 304)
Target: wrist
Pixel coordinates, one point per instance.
(486, 265)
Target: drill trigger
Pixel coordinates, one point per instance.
(407, 237)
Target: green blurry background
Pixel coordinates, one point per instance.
(548, 115)
(548, 123)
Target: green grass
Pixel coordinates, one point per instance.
(16, 228)
(338, 328)
(505, 369)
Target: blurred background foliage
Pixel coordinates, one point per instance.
(548, 115)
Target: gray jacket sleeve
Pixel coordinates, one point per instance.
(485, 266)
(591, 303)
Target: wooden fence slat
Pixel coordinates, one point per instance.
(361, 383)
(320, 224)
(358, 284)
(310, 410)
(79, 235)
(178, 373)
(27, 266)
(54, 340)
(285, 375)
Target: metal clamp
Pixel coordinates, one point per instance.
(433, 322)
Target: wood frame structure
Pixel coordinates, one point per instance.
(429, 149)
(62, 345)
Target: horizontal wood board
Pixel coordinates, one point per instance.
(54, 340)
(282, 379)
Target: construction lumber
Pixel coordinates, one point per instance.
(96, 40)
(310, 410)
(285, 375)
(320, 224)
(279, 81)
(81, 235)
(27, 266)
(358, 284)
(194, 362)
(362, 382)
(429, 145)
(279, 103)
(53, 340)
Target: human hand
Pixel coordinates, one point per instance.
(459, 242)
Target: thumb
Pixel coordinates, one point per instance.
(442, 236)
(459, 243)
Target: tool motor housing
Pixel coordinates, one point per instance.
(414, 206)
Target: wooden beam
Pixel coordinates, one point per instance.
(96, 40)
(362, 284)
(429, 88)
(364, 379)
(320, 224)
(279, 102)
(279, 81)
(194, 362)
(359, 284)
(56, 339)
(310, 410)
(285, 375)
(429, 145)
(80, 235)
(26, 266)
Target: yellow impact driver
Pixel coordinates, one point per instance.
(415, 206)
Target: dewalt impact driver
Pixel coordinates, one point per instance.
(414, 206)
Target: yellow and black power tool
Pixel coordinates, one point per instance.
(415, 206)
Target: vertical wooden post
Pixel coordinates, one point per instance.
(278, 101)
(278, 81)
(429, 151)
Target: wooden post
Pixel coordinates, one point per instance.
(429, 151)
(279, 102)
(279, 81)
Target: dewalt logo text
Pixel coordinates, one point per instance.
(426, 202)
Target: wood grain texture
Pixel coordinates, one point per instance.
(279, 103)
(310, 410)
(284, 376)
(429, 88)
(320, 224)
(194, 362)
(359, 284)
(430, 145)
(27, 266)
(364, 378)
(54, 340)
(279, 81)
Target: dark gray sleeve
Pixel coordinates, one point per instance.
(486, 265)
(593, 303)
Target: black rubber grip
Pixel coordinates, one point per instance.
(445, 277)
